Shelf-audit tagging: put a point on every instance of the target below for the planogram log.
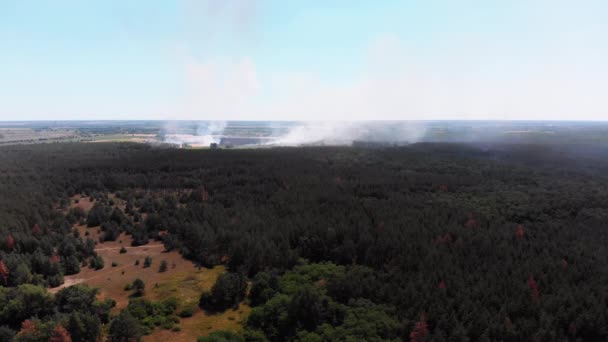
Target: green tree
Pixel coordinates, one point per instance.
(125, 328)
(228, 291)
(83, 327)
(6, 334)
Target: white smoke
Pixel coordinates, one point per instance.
(347, 132)
(207, 133)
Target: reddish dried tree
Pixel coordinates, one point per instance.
(471, 222)
(508, 323)
(380, 227)
(420, 332)
(533, 286)
(36, 229)
(10, 243)
(59, 334)
(55, 259)
(520, 232)
(28, 327)
(3, 272)
(444, 239)
(442, 285)
(572, 329)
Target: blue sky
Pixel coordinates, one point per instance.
(298, 60)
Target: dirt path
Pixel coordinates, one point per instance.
(128, 248)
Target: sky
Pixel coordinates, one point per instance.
(303, 60)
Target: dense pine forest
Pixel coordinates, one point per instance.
(426, 242)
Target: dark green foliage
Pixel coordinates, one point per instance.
(6, 334)
(111, 231)
(265, 285)
(301, 309)
(188, 311)
(20, 303)
(71, 265)
(97, 262)
(426, 228)
(123, 250)
(98, 215)
(154, 314)
(74, 307)
(75, 298)
(125, 328)
(228, 291)
(83, 326)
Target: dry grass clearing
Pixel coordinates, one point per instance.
(83, 202)
(182, 280)
(111, 280)
(187, 289)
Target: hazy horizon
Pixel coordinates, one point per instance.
(267, 60)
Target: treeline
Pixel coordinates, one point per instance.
(434, 242)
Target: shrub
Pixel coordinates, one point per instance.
(188, 311)
(163, 266)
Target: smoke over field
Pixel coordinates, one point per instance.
(292, 133)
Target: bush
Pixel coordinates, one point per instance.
(114, 264)
(163, 266)
(138, 286)
(123, 250)
(188, 311)
(97, 262)
(148, 261)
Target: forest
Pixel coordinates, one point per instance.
(425, 242)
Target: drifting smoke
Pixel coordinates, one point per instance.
(206, 133)
(345, 133)
(294, 134)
